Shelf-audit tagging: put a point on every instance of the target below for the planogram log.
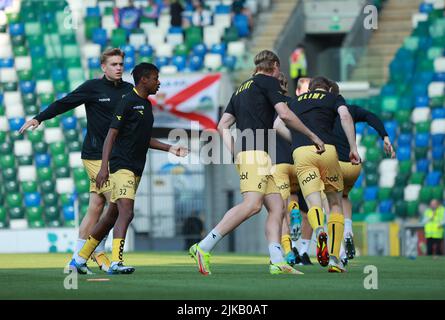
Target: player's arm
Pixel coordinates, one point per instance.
(227, 120)
(374, 121)
(293, 122)
(282, 129)
(348, 127)
(72, 100)
(178, 151)
(103, 174)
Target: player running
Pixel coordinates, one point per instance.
(318, 109)
(100, 97)
(252, 107)
(125, 149)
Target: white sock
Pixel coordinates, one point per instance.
(209, 242)
(348, 228)
(294, 244)
(101, 246)
(79, 245)
(304, 246)
(342, 251)
(79, 259)
(275, 252)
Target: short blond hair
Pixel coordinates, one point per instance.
(111, 52)
(265, 61)
(283, 82)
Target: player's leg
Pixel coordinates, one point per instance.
(335, 231)
(99, 256)
(306, 232)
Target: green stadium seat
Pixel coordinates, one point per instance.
(52, 216)
(2, 113)
(82, 186)
(356, 195)
(32, 28)
(7, 161)
(24, 160)
(439, 165)
(40, 147)
(52, 123)
(118, 37)
(390, 103)
(47, 186)
(406, 127)
(402, 178)
(425, 194)
(357, 208)
(60, 86)
(400, 208)
(50, 199)
(31, 110)
(14, 200)
(369, 206)
(421, 152)
(6, 148)
(387, 115)
(69, 38)
(437, 102)
(72, 63)
(79, 174)
(16, 213)
(15, 136)
(71, 135)
(423, 127)
(11, 186)
(9, 86)
(66, 199)
(373, 154)
(384, 194)
(9, 174)
(437, 192)
(84, 198)
(398, 192)
(405, 166)
(181, 50)
(57, 148)
(372, 179)
(3, 136)
(417, 178)
(3, 220)
(193, 36)
(29, 186)
(35, 40)
(35, 217)
(60, 160)
(74, 146)
(35, 136)
(369, 141)
(141, 60)
(76, 75)
(25, 75)
(62, 171)
(13, 17)
(20, 51)
(230, 34)
(412, 208)
(91, 23)
(44, 174)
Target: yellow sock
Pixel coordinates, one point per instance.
(336, 226)
(88, 248)
(101, 259)
(286, 243)
(118, 250)
(315, 216)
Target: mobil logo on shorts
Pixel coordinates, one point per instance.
(309, 178)
(332, 179)
(283, 186)
(243, 176)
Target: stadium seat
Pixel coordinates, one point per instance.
(3, 221)
(438, 126)
(370, 193)
(404, 140)
(28, 186)
(52, 216)
(52, 135)
(385, 206)
(369, 206)
(64, 185)
(404, 153)
(195, 63)
(32, 199)
(417, 178)
(411, 192)
(433, 178)
(14, 200)
(44, 173)
(422, 165)
(420, 114)
(27, 173)
(241, 22)
(422, 139)
(23, 148)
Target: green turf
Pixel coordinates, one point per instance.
(174, 276)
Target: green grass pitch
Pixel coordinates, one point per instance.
(171, 276)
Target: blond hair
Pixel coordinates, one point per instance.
(283, 82)
(111, 52)
(265, 61)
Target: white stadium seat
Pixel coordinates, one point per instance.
(5, 39)
(212, 35)
(362, 152)
(6, 52)
(436, 89)
(11, 99)
(212, 61)
(170, 69)
(388, 165)
(420, 114)
(222, 21)
(236, 48)
(23, 148)
(44, 86)
(164, 50)
(23, 63)
(8, 75)
(439, 64)
(387, 180)
(174, 39)
(75, 160)
(91, 50)
(4, 123)
(156, 38)
(64, 185)
(27, 173)
(411, 192)
(16, 111)
(438, 126)
(122, 3)
(51, 135)
(137, 40)
(418, 17)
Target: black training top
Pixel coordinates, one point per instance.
(100, 97)
(358, 115)
(134, 120)
(317, 110)
(284, 148)
(252, 105)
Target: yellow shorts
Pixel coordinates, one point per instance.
(317, 172)
(350, 174)
(254, 168)
(93, 167)
(286, 179)
(125, 184)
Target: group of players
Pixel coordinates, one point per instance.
(119, 130)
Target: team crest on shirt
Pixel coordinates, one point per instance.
(139, 109)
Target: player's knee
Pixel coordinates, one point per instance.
(97, 202)
(254, 207)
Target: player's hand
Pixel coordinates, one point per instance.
(102, 177)
(319, 145)
(179, 151)
(30, 123)
(387, 146)
(354, 157)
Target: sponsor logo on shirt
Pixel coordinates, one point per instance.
(104, 99)
(119, 118)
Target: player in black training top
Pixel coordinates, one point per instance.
(351, 172)
(318, 108)
(100, 97)
(125, 148)
(252, 107)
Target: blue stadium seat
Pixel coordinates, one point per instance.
(128, 50)
(425, 42)
(32, 199)
(16, 29)
(195, 63)
(438, 152)
(100, 36)
(385, 206)
(438, 139)
(37, 51)
(222, 9)
(241, 23)
(93, 12)
(16, 123)
(1, 98)
(69, 123)
(27, 86)
(425, 77)
(129, 62)
(68, 213)
(422, 165)
(162, 61)
(404, 153)
(43, 160)
(200, 50)
(388, 89)
(180, 62)
(391, 128)
(371, 131)
(426, 7)
(433, 178)
(439, 76)
(359, 181)
(422, 139)
(438, 113)
(145, 50)
(404, 140)
(403, 54)
(93, 63)
(420, 89)
(370, 193)
(6, 63)
(230, 62)
(175, 30)
(360, 128)
(219, 48)
(58, 74)
(421, 101)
